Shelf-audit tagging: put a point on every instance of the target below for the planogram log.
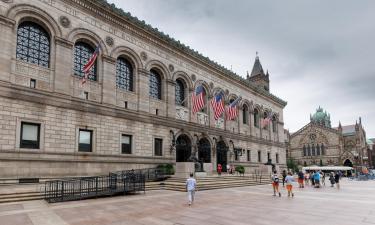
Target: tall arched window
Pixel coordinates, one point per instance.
(304, 150)
(274, 124)
(180, 93)
(308, 150)
(256, 118)
(33, 44)
(245, 114)
(265, 126)
(313, 149)
(322, 148)
(317, 149)
(155, 84)
(82, 54)
(124, 74)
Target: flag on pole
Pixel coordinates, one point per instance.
(231, 110)
(87, 67)
(197, 99)
(265, 121)
(217, 104)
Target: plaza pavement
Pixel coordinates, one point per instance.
(353, 204)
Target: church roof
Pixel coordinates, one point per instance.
(257, 68)
(347, 130)
(321, 117)
(177, 44)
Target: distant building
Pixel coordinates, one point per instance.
(371, 152)
(318, 143)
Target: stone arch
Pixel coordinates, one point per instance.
(215, 90)
(347, 162)
(205, 85)
(230, 97)
(184, 76)
(245, 102)
(183, 148)
(129, 54)
(158, 66)
(23, 12)
(88, 36)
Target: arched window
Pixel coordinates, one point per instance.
(180, 93)
(265, 126)
(308, 150)
(82, 54)
(322, 149)
(304, 150)
(256, 118)
(317, 149)
(313, 149)
(124, 74)
(245, 114)
(155, 84)
(274, 124)
(33, 44)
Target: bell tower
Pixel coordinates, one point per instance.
(258, 77)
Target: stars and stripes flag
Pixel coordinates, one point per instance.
(231, 109)
(265, 121)
(217, 104)
(197, 99)
(87, 67)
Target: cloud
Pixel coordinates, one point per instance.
(318, 52)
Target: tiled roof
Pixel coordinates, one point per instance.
(257, 68)
(177, 44)
(348, 129)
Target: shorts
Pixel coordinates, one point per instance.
(289, 187)
(300, 180)
(275, 184)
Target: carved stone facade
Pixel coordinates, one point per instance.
(52, 98)
(319, 144)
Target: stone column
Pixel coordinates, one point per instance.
(63, 66)
(109, 80)
(7, 50)
(170, 98)
(143, 90)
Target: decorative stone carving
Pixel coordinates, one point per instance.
(193, 77)
(144, 56)
(219, 123)
(202, 118)
(109, 41)
(171, 68)
(182, 113)
(64, 21)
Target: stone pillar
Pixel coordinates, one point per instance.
(170, 98)
(7, 50)
(143, 89)
(109, 80)
(63, 66)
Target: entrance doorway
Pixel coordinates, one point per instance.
(183, 148)
(221, 152)
(347, 162)
(204, 151)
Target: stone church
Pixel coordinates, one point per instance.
(318, 143)
(135, 109)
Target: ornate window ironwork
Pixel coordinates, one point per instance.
(245, 114)
(155, 84)
(256, 118)
(124, 74)
(33, 44)
(180, 93)
(82, 54)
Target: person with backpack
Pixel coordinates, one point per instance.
(332, 179)
(337, 180)
(300, 179)
(275, 183)
(289, 184)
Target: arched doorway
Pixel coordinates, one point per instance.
(347, 162)
(183, 148)
(221, 153)
(204, 151)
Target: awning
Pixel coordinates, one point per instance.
(327, 168)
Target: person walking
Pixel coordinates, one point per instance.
(312, 178)
(300, 179)
(337, 180)
(317, 179)
(323, 178)
(275, 183)
(289, 179)
(191, 184)
(228, 169)
(219, 169)
(284, 175)
(332, 179)
(307, 178)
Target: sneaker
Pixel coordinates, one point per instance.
(279, 194)
(292, 195)
(274, 195)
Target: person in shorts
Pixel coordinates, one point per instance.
(289, 184)
(300, 179)
(191, 184)
(275, 183)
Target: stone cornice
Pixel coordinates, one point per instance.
(64, 101)
(6, 21)
(115, 15)
(64, 42)
(108, 59)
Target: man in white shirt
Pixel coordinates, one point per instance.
(191, 184)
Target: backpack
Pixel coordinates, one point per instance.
(275, 179)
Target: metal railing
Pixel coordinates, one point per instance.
(120, 182)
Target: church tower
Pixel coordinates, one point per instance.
(258, 77)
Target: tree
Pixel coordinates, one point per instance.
(291, 164)
(321, 162)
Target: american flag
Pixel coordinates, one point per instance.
(231, 110)
(197, 99)
(265, 121)
(217, 104)
(87, 67)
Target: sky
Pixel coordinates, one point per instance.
(318, 53)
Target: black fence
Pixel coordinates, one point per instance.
(121, 182)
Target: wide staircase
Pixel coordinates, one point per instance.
(11, 191)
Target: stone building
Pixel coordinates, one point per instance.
(135, 109)
(317, 143)
(371, 152)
